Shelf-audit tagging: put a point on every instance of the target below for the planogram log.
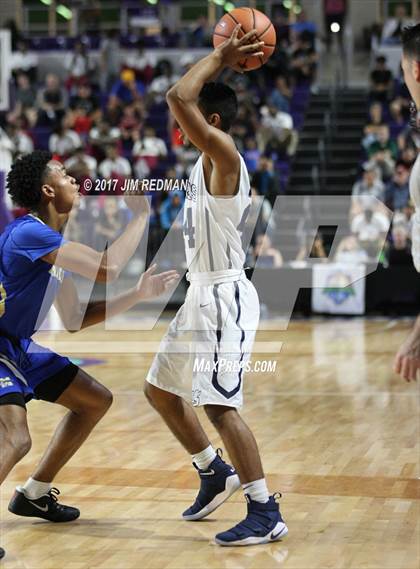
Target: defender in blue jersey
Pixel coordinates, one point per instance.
(35, 270)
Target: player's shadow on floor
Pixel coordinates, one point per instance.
(112, 528)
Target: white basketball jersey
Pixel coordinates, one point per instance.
(213, 225)
(415, 196)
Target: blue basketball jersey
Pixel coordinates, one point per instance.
(28, 285)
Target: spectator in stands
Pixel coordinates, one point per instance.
(110, 221)
(85, 98)
(304, 26)
(127, 89)
(201, 33)
(141, 63)
(114, 111)
(334, 12)
(114, 165)
(24, 62)
(101, 136)
(381, 81)
(251, 154)
(349, 251)
(81, 122)
(265, 180)
(304, 59)
(397, 192)
(391, 32)
(164, 79)
(371, 227)
(313, 248)
(374, 125)
(170, 208)
(265, 254)
(130, 124)
(370, 186)
(281, 95)
(244, 125)
(64, 141)
(282, 27)
(23, 144)
(81, 164)
(78, 65)
(109, 60)
(398, 120)
(52, 102)
(150, 147)
(399, 249)
(25, 95)
(406, 141)
(383, 152)
(276, 133)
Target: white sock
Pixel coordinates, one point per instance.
(257, 490)
(204, 458)
(35, 489)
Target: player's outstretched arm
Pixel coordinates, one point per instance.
(99, 266)
(183, 97)
(71, 312)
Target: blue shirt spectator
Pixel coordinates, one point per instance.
(171, 208)
(397, 191)
(127, 89)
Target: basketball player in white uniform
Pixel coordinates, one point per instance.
(407, 360)
(218, 320)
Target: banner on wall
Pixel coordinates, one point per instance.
(338, 288)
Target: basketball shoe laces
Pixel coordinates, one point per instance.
(53, 493)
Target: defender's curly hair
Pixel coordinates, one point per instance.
(26, 177)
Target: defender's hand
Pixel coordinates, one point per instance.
(234, 50)
(151, 286)
(407, 360)
(138, 203)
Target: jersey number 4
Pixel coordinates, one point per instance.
(189, 230)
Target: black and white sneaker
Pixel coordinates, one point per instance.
(2, 553)
(46, 507)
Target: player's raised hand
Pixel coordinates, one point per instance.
(137, 202)
(234, 50)
(151, 285)
(407, 360)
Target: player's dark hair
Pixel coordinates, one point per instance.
(411, 41)
(221, 99)
(26, 176)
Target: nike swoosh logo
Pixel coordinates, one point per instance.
(209, 473)
(277, 534)
(203, 305)
(42, 508)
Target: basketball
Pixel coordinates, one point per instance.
(250, 19)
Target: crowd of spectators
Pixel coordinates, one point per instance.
(107, 118)
(381, 196)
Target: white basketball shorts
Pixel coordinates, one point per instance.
(208, 344)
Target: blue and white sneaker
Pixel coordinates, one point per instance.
(218, 483)
(262, 524)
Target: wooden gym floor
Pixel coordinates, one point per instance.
(338, 433)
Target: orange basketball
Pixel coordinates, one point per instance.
(250, 19)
